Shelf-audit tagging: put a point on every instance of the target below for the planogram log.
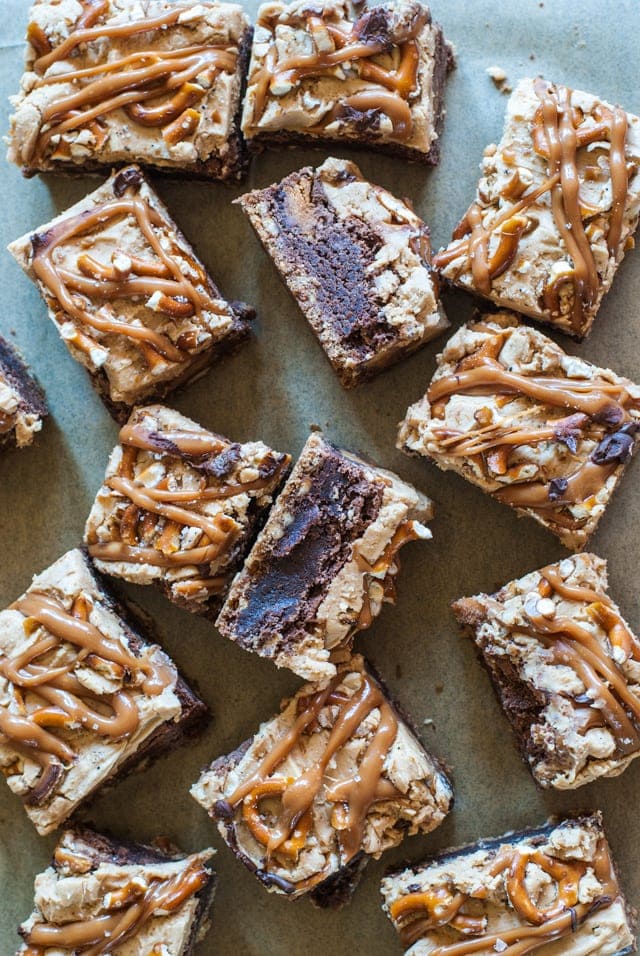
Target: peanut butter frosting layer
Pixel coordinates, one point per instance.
(551, 891)
(357, 261)
(179, 506)
(555, 210)
(323, 71)
(335, 777)
(566, 667)
(80, 693)
(325, 561)
(111, 81)
(102, 897)
(129, 297)
(542, 431)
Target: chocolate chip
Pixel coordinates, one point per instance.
(373, 28)
(130, 177)
(611, 414)
(223, 809)
(568, 430)
(557, 488)
(40, 241)
(362, 121)
(617, 447)
(220, 466)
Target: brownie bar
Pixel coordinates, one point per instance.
(550, 890)
(84, 695)
(325, 561)
(357, 262)
(116, 84)
(529, 242)
(565, 666)
(100, 895)
(335, 779)
(129, 297)
(22, 403)
(542, 431)
(180, 507)
(367, 76)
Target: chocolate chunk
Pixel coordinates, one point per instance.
(125, 179)
(617, 447)
(557, 488)
(568, 430)
(222, 465)
(360, 120)
(372, 28)
(611, 414)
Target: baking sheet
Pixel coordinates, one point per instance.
(275, 389)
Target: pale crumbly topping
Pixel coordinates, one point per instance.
(288, 31)
(542, 256)
(80, 888)
(468, 871)
(573, 756)
(526, 352)
(152, 468)
(116, 137)
(97, 757)
(130, 376)
(422, 802)
(24, 424)
(402, 279)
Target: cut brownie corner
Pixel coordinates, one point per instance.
(357, 262)
(550, 435)
(180, 507)
(23, 406)
(325, 561)
(109, 700)
(524, 243)
(384, 786)
(394, 109)
(554, 886)
(128, 295)
(563, 662)
(109, 62)
(106, 893)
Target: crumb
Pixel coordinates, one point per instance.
(429, 722)
(532, 56)
(439, 688)
(314, 427)
(499, 78)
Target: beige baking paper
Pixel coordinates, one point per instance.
(275, 389)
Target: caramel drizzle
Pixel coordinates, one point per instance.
(597, 400)
(418, 914)
(391, 87)
(614, 706)
(75, 291)
(557, 136)
(104, 934)
(384, 571)
(66, 702)
(353, 796)
(155, 88)
(157, 511)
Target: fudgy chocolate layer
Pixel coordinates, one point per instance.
(285, 590)
(16, 373)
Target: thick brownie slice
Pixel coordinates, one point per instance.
(542, 431)
(180, 506)
(357, 262)
(131, 300)
(565, 666)
(108, 82)
(103, 896)
(84, 696)
(556, 207)
(336, 778)
(325, 561)
(332, 71)
(22, 403)
(552, 890)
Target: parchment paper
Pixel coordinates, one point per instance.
(274, 389)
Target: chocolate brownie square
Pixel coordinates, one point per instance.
(357, 262)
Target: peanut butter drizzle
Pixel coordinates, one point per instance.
(100, 935)
(165, 277)
(557, 136)
(155, 88)
(577, 647)
(353, 797)
(442, 906)
(597, 400)
(391, 90)
(67, 702)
